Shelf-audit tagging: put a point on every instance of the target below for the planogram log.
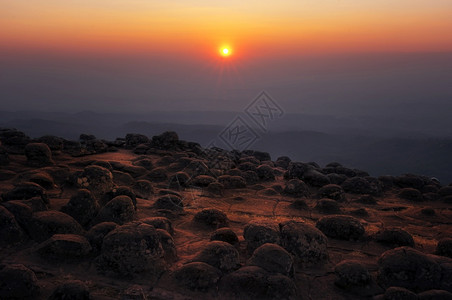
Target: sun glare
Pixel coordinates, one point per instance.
(225, 51)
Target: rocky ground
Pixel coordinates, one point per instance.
(161, 218)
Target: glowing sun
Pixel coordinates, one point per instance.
(225, 52)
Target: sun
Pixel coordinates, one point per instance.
(225, 51)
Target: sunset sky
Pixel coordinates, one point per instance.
(66, 52)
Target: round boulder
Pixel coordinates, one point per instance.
(10, 231)
(332, 191)
(357, 185)
(225, 235)
(408, 268)
(351, 274)
(328, 206)
(212, 218)
(410, 194)
(160, 223)
(82, 207)
(444, 247)
(143, 189)
(38, 155)
(265, 173)
(131, 249)
(96, 179)
(197, 276)
(120, 191)
(220, 255)
(399, 293)
(64, 246)
(272, 258)
(232, 182)
(18, 282)
(305, 242)
(25, 191)
(296, 188)
(97, 233)
(169, 202)
(341, 227)
(259, 232)
(119, 210)
(315, 178)
(45, 224)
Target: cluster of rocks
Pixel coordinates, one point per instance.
(100, 221)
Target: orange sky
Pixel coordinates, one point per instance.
(253, 28)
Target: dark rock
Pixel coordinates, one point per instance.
(96, 179)
(272, 258)
(38, 155)
(394, 237)
(13, 140)
(45, 224)
(259, 155)
(387, 182)
(168, 245)
(212, 218)
(283, 162)
(82, 207)
(399, 293)
(296, 170)
(6, 175)
(220, 255)
(408, 268)
(157, 175)
(332, 191)
(225, 235)
(350, 274)
(197, 276)
(250, 177)
(428, 211)
(178, 180)
(410, 194)
(435, 295)
(246, 166)
(259, 232)
(71, 290)
(444, 247)
(25, 191)
(134, 171)
(64, 246)
(43, 179)
(18, 282)
(133, 140)
(22, 212)
(215, 188)
(122, 178)
(341, 227)
(87, 137)
(201, 181)
(165, 141)
(97, 233)
(315, 178)
(430, 196)
(328, 206)
(170, 202)
(145, 163)
(132, 249)
(120, 191)
(265, 286)
(336, 178)
(409, 181)
(360, 212)
(160, 223)
(268, 192)
(232, 182)
(305, 242)
(143, 189)
(119, 210)
(265, 173)
(296, 188)
(445, 191)
(430, 189)
(357, 185)
(10, 231)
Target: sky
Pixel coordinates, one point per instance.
(314, 56)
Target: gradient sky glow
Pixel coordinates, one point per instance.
(165, 55)
(251, 26)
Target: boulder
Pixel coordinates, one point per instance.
(197, 276)
(38, 155)
(71, 290)
(169, 202)
(332, 191)
(408, 268)
(394, 237)
(272, 258)
(119, 210)
(306, 243)
(410, 194)
(96, 179)
(82, 207)
(10, 231)
(328, 206)
(143, 189)
(341, 227)
(232, 182)
(220, 255)
(259, 232)
(45, 224)
(211, 217)
(25, 191)
(160, 223)
(96, 234)
(350, 274)
(132, 249)
(296, 188)
(64, 246)
(225, 235)
(444, 247)
(18, 282)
